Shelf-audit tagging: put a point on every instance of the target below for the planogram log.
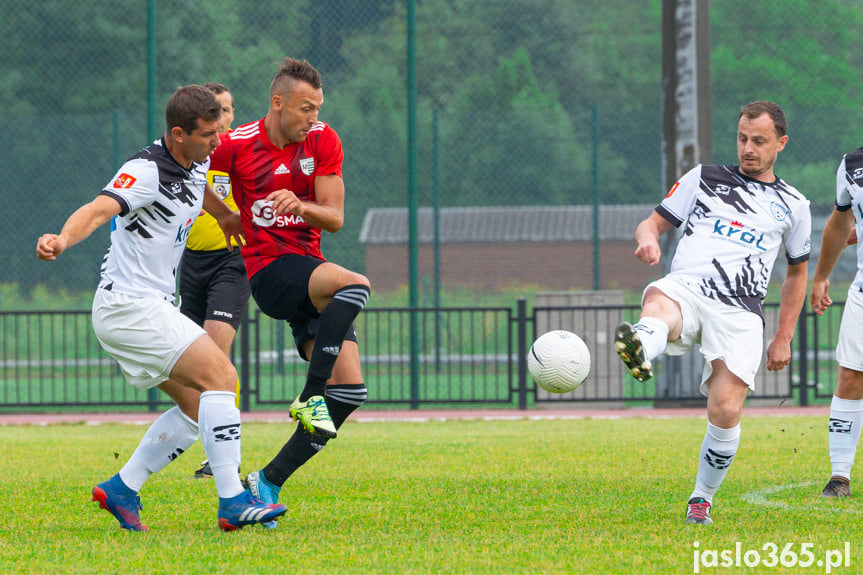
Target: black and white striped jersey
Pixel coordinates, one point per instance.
(160, 200)
(849, 195)
(733, 230)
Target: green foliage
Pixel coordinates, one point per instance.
(597, 496)
(528, 101)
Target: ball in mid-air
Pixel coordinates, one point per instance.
(558, 361)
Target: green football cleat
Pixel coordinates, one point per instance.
(628, 347)
(314, 416)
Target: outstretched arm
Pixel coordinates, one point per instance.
(83, 222)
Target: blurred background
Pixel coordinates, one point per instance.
(528, 113)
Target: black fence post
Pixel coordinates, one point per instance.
(521, 319)
(803, 361)
(245, 363)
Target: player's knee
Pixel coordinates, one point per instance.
(221, 377)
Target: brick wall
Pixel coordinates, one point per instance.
(553, 265)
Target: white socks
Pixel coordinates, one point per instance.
(653, 334)
(219, 428)
(717, 453)
(846, 416)
(170, 435)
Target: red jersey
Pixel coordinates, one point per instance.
(257, 167)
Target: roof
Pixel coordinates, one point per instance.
(505, 224)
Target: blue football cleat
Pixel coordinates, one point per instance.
(123, 503)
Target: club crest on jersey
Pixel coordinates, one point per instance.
(307, 165)
(722, 189)
(778, 211)
(124, 181)
(222, 185)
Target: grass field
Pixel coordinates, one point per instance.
(521, 496)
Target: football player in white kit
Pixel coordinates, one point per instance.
(151, 203)
(846, 407)
(735, 221)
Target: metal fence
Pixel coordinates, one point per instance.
(468, 356)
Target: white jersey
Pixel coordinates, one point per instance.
(160, 200)
(734, 229)
(849, 194)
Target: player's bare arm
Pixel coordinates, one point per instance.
(647, 237)
(227, 219)
(326, 213)
(83, 222)
(791, 301)
(834, 239)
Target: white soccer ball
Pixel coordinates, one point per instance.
(558, 361)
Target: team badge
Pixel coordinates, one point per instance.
(307, 165)
(124, 181)
(778, 211)
(222, 185)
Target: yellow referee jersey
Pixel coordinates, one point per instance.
(206, 235)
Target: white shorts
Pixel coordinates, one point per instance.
(145, 335)
(849, 346)
(734, 335)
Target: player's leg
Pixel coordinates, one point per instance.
(661, 321)
(846, 417)
(222, 335)
(846, 408)
(222, 291)
(205, 367)
(726, 394)
(338, 295)
(345, 393)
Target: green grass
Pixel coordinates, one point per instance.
(522, 496)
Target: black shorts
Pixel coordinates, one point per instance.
(281, 290)
(213, 285)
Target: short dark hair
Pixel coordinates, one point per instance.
(216, 88)
(293, 70)
(754, 110)
(189, 104)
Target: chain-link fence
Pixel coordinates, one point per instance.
(520, 102)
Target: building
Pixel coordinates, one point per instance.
(490, 248)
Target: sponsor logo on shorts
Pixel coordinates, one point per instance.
(331, 349)
(124, 181)
(223, 313)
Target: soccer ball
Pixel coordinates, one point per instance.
(559, 361)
